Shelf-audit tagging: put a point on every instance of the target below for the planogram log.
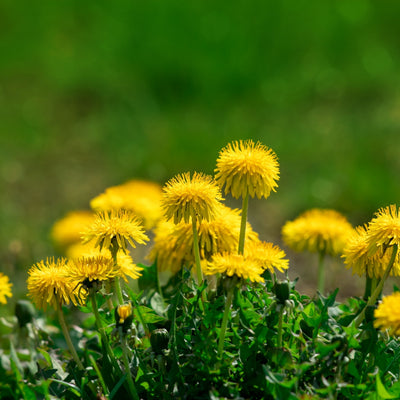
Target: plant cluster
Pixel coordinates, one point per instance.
(209, 318)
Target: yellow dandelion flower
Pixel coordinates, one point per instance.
(384, 229)
(356, 256)
(387, 315)
(5, 288)
(185, 196)
(235, 264)
(68, 230)
(115, 228)
(87, 271)
(49, 283)
(173, 244)
(125, 262)
(317, 230)
(123, 312)
(268, 255)
(247, 168)
(143, 198)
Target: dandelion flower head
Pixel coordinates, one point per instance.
(125, 262)
(247, 168)
(85, 270)
(5, 288)
(185, 196)
(317, 230)
(143, 198)
(49, 283)
(387, 315)
(234, 264)
(356, 256)
(115, 227)
(384, 229)
(68, 230)
(270, 256)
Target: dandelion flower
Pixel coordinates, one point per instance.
(49, 283)
(384, 229)
(125, 262)
(5, 288)
(68, 230)
(185, 196)
(143, 198)
(115, 227)
(356, 256)
(317, 230)
(247, 168)
(235, 264)
(387, 315)
(173, 244)
(268, 255)
(88, 269)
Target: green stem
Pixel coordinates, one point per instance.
(100, 376)
(141, 320)
(118, 291)
(368, 285)
(280, 325)
(321, 272)
(100, 328)
(131, 385)
(224, 324)
(67, 336)
(196, 251)
(242, 235)
(378, 289)
(117, 284)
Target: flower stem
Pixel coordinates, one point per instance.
(125, 360)
(67, 336)
(321, 272)
(197, 257)
(118, 291)
(378, 289)
(368, 285)
(100, 328)
(242, 235)
(224, 324)
(280, 325)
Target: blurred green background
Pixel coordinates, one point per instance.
(93, 93)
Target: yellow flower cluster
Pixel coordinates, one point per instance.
(5, 288)
(367, 250)
(143, 198)
(318, 230)
(173, 244)
(387, 315)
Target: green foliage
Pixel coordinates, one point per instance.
(323, 354)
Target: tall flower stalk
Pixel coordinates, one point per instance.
(378, 290)
(67, 336)
(247, 169)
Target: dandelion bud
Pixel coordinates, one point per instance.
(124, 316)
(159, 340)
(24, 311)
(282, 291)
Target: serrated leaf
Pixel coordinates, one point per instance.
(381, 390)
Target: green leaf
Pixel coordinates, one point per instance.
(148, 315)
(381, 390)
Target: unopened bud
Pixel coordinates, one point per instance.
(124, 316)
